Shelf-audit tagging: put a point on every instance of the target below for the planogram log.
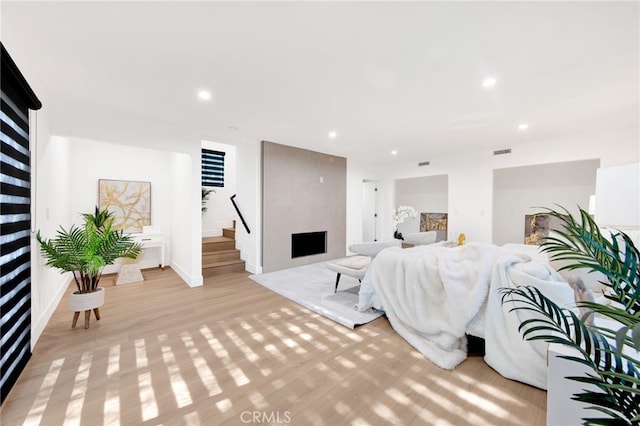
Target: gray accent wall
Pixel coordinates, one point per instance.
(302, 191)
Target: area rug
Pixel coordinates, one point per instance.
(312, 287)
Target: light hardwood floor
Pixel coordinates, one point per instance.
(231, 352)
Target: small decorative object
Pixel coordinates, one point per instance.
(129, 201)
(401, 214)
(461, 238)
(85, 251)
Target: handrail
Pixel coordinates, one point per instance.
(240, 214)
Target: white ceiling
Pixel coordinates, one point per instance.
(383, 75)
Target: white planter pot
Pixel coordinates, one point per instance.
(79, 302)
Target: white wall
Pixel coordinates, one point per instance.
(249, 200)
(186, 221)
(93, 160)
(471, 175)
(519, 191)
(426, 194)
(220, 212)
(51, 208)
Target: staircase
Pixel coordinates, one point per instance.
(219, 254)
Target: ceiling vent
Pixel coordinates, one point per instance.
(502, 151)
(424, 163)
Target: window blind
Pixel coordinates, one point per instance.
(212, 168)
(16, 98)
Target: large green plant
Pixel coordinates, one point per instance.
(610, 352)
(86, 250)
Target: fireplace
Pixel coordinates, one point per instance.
(308, 243)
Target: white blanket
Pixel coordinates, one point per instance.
(505, 349)
(431, 294)
(434, 295)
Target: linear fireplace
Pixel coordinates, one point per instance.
(308, 243)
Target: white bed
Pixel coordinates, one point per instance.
(435, 295)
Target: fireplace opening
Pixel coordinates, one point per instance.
(308, 243)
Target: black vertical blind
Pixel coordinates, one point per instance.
(212, 168)
(16, 98)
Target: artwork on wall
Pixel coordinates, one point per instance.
(537, 226)
(434, 222)
(130, 201)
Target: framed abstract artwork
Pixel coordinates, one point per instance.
(537, 226)
(435, 222)
(129, 201)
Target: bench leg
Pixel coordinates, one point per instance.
(337, 281)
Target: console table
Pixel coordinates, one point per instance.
(151, 240)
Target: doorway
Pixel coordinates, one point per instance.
(369, 211)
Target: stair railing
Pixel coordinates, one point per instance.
(244, 222)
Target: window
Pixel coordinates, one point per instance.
(212, 168)
(16, 99)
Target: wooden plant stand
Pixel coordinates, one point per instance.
(87, 316)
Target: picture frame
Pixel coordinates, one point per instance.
(129, 201)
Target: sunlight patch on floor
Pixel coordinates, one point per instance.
(483, 404)
(74, 409)
(258, 337)
(235, 372)
(307, 337)
(34, 417)
(287, 340)
(207, 377)
(494, 391)
(224, 405)
(148, 405)
(178, 385)
(258, 401)
(275, 352)
(386, 413)
(320, 330)
(112, 397)
(240, 344)
(347, 363)
(192, 419)
(141, 354)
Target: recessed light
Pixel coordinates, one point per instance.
(332, 135)
(204, 95)
(489, 82)
(394, 152)
(523, 126)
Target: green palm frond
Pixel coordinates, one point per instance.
(615, 366)
(86, 250)
(618, 374)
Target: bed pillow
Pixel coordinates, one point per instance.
(421, 238)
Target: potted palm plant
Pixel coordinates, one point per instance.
(85, 251)
(610, 352)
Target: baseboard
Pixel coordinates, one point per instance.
(191, 281)
(38, 327)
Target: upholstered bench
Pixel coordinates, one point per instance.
(352, 266)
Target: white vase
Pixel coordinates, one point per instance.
(79, 302)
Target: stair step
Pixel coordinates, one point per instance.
(224, 267)
(229, 233)
(212, 244)
(219, 256)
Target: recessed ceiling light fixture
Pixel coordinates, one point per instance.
(394, 152)
(523, 126)
(489, 82)
(204, 95)
(332, 135)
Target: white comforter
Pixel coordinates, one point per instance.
(434, 296)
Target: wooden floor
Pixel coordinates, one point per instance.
(231, 352)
